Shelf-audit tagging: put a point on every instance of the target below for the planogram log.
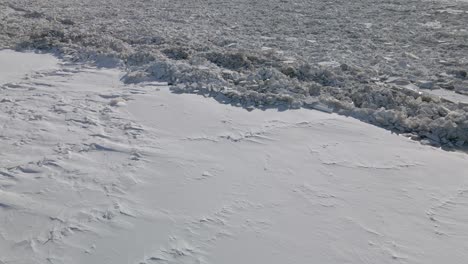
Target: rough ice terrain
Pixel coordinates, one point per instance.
(115, 148)
(376, 60)
(95, 171)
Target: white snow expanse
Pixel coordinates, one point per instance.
(94, 171)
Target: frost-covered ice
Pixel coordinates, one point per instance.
(95, 171)
(369, 59)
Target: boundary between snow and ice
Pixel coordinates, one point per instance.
(265, 78)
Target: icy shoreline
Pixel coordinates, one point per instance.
(274, 53)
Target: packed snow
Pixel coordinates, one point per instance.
(374, 60)
(15, 65)
(96, 171)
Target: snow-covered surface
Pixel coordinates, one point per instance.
(94, 171)
(16, 65)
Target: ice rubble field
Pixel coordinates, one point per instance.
(376, 60)
(95, 171)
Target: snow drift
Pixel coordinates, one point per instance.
(95, 171)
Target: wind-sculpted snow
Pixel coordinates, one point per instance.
(96, 171)
(374, 60)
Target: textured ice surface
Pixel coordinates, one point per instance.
(366, 59)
